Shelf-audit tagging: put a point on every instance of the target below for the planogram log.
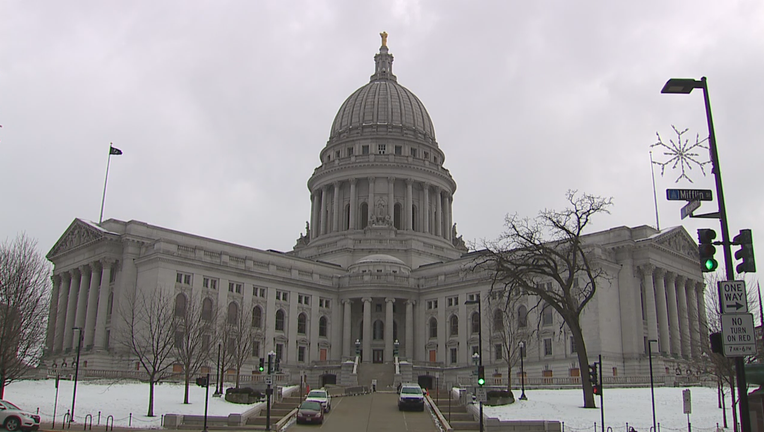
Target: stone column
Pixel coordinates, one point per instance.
(692, 312)
(426, 209)
(371, 196)
(703, 320)
(366, 330)
(353, 204)
(684, 329)
(449, 217)
(336, 207)
(409, 342)
(103, 303)
(389, 302)
(391, 199)
(664, 341)
(322, 215)
(439, 213)
(650, 315)
(50, 335)
(347, 341)
(63, 298)
(673, 310)
(82, 299)
(71, 310)
(409, 216)
(90, 319)
(315, 229)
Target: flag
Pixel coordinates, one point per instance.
(114, 151)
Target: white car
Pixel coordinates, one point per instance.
(14, 418)
(321, 396)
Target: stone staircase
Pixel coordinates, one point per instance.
(384, 373)
(279, 410)
(457, 415)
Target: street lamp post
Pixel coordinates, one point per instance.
(480, 346)
(522, 371)
(76, 370)
(217, 378)
(652, 385)
(358, 348)
(685, 86)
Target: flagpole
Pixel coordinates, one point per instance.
(103, 198)
(655, 195)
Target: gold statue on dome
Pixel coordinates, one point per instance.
(384, 38)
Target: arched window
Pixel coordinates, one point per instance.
(475, 323)
(180, 305)
(414, 223)
(522, 316)
(379, 330)
(257, 317)
(302, 323)
(323, 326)
(364, 215)
(433, 327)
(498, 320)
(280, 318)
(453, 326)
(207, 309)
(397, 212)
(233, 313)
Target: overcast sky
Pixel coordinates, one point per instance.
(222, 107)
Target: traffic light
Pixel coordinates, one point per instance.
(262, 364)
(593, 377)
(706, 250)
(201, 381)
(716, 343)
(745, 254)
(481, 375)
(270, 364)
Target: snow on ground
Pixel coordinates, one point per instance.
(127, 402)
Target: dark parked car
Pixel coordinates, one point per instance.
(14, 418)
(310, 412)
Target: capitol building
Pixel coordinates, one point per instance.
(379, 270)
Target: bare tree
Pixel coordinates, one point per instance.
(226, 326)
(240, 336)
(194, 327)
(149, 334)
(24, 302)
(551, 248)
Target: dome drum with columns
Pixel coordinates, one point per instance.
(379, 270)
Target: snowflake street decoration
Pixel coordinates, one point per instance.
(682, 154)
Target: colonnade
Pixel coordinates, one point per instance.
(434, 214)
(675, 311)
(80, 307)
(407, 342)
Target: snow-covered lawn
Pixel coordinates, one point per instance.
(127, 402)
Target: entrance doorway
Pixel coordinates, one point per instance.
(377, 356)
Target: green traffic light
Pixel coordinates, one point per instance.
(481, 381)
(710, 264)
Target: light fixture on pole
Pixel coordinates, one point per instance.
(522, 370)
(76, 370)
(652, 385)
(685, 86)
(480, 347)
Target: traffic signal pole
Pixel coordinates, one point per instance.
(742, 385)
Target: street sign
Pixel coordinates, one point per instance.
(689, 208)
(686, 402)
(737, 335)
(732, 297)
(480, 394)
(268, 381)
(689, 195)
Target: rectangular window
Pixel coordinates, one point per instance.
(337, 154)
(432, 304)
(255, 348)
(280, 351)
(398, 150)
(303, 299)
(324, 303)
(572, 345)
(472, 297)
(547, 347)
(381, 148)
(282, 296)
(210, 283)
(426, 155)
(452, 301)
(235, 287)
(365, 149)
(497, 349)
(183, 278)
(454, 358)
(301, 354)
(258, 292)
(350, 151)
(413, 152)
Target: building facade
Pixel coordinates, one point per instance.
(379, 270)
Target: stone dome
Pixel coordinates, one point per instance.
(383, 107)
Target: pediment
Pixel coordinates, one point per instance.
(79, 234)
(679, 241)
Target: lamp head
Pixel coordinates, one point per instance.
(682, 85)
